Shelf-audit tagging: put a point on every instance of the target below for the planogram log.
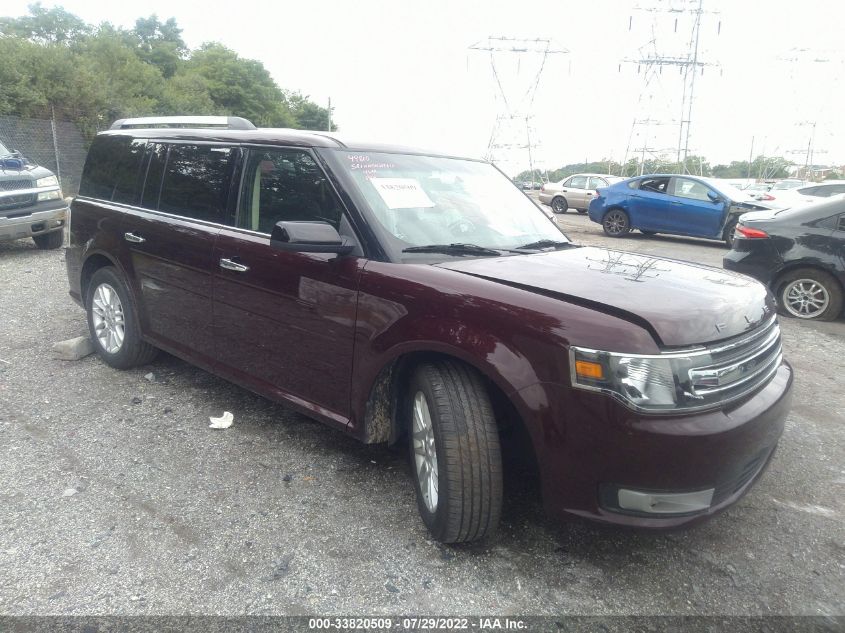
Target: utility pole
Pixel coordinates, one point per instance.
(329, 115)
(511, 139)
(750, 158)
(689, 64)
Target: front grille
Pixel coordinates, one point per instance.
(737, 367)
(14, 185)
(15, 202)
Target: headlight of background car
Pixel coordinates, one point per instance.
(47, 181)
(642, 381)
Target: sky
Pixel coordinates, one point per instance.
(403, 72)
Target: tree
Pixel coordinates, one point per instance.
(45, 26)
(160, 43)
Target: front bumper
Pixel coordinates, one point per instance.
(597, 446)
(35, 220)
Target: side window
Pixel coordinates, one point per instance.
(595, 183)
(692, 189)
(831, 190)
(655, 185)
(126, 173)
(578, 182)
(155, 169)
(111, 169)
(813, 191)
(196, 181)
(281, 185)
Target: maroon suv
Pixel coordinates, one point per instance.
(406, 296)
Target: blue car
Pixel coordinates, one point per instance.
(673, 204)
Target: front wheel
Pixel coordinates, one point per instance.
(559, 204)
(808, 293)
(582, 211)
(455, 454)
(616, 223)
(112, 323)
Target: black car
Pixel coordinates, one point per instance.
(799, 253)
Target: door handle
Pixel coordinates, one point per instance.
(131, 237)
(228, 264)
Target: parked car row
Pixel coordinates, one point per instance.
(794, 242)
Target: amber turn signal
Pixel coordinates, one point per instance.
(586, 369)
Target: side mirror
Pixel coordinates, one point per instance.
(309, 237)
(714, 197)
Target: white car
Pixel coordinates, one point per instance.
(782, 198)
(575, 192)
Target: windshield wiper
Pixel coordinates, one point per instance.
(544, 244)
(453, 249)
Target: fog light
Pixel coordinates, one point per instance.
(665, 502)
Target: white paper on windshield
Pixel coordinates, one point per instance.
(401, 193)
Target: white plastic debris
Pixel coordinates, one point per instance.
(223, 422)
(69, 492)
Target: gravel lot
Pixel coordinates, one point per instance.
(118, 499)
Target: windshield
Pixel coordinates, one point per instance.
(731, 192)
(427, 200)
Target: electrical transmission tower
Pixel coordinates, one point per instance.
(651, 62)
(517, 66)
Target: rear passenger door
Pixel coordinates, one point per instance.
(285, 321)
(649, 203)
(184, 202)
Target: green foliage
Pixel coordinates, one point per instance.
(763, 167)
(54, 62)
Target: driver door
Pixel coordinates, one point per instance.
(693, 211)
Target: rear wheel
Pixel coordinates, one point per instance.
(49, 241)
(808, 293)
(455, 455)
(559, 204)
(730, 231)
(112, 323)
(616, 223)
(582, 211)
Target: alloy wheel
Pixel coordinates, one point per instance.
(109, 321)
(805, 298)
(425, 452)
(616, 223)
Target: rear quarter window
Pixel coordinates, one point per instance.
(112, 168)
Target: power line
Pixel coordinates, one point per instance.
(511, 133)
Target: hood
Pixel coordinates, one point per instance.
(680, 303)
(11, 170)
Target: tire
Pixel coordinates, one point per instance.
(616, 223)
(649, 233)
(453, 434)
(559, 204)
(728, 233)
(582, 211)
(809, 293)
(109, 309)
(49, 241)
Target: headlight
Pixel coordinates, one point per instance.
(646, 382)
(47, 181)
(49, 195)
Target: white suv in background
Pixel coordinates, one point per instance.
(575, 192)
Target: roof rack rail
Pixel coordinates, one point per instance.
(225, 122)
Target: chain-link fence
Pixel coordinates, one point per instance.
(56, 145)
